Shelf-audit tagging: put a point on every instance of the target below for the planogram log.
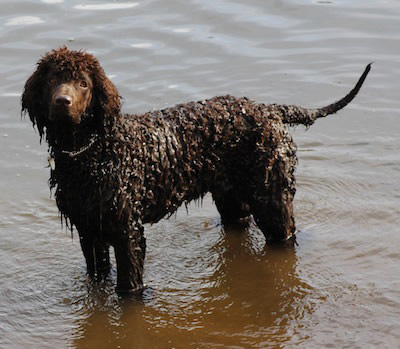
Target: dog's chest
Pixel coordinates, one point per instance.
(77, 185)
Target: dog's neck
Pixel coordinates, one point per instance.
(65, 138)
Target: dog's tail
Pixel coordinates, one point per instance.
(294, 115)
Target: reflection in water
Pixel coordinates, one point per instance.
(252, 297)
(256, 293)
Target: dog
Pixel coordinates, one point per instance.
(113, 172)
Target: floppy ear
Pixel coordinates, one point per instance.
(32, 98)
(106, 102)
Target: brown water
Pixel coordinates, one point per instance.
(210, 288)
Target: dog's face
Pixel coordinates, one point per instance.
(68, 98)
(67, 88)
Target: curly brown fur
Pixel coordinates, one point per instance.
(112, 172)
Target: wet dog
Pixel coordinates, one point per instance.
(113, 172)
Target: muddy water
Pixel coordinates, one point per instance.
(209, 287)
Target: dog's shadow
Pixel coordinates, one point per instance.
(256, 286)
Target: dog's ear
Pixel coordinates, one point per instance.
(106, 102)
(32, 97)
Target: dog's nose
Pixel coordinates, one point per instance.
(64, 100)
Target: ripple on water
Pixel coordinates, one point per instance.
(23, 21)
(52, 1)
(106, 7)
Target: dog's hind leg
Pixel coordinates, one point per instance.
(271, 205)
(275, 219)
(130, 249)
(232, 209)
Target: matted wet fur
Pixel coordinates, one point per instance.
(113, 172)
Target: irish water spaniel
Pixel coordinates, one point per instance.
(113, 172)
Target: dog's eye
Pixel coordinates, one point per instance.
(83, 84)
(52, 81)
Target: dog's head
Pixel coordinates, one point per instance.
(69, 87)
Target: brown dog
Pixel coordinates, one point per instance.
(112, 172)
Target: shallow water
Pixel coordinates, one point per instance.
(209, 287)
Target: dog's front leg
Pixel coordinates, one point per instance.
(129, 254)
(102, 258)
(88, 252)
